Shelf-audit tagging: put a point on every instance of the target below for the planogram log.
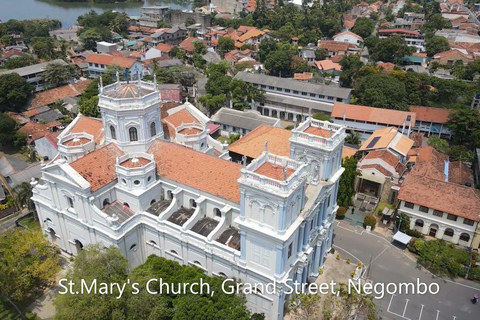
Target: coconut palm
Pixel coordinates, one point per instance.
(24, 195)
(353, 138)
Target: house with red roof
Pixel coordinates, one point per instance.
(349, 37)
(449, 57)
(411, 37)
(98, 63)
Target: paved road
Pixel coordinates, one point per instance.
(9, 222)
(391, 264)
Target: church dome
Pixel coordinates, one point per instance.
(129, 91)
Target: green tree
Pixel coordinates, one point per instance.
(56, 74)
(279, 63)
(439, 144)
(390, 49)
(225, 44)
(9, 136)
(321, 54)
(266, 46)
(27, 264)
(346, 185)
(465, 125)
(24, 195)
(44, 48)
(353, 138)
(106, 265)
(200, 47)
(89, 107)
(435, 45)
(20, 62)
(458, 69)
(351, 64)
(212, 103)
(382, 91)
(363, 27)
(14, 92)
(90, 37)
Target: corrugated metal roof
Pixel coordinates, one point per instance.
(242, 119)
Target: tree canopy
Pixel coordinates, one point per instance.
(346, 185)
(14, 92)
(109, 265)
(27, 264)
(56, 74)
(363, 27)
(465, 125)
(382, 91)
(435, 45)
(389, 49)
(9, 136)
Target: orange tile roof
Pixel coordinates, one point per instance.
(76, 142)
(175, 120)
(13, 52)
(419, 54)
(348, 152)
(348, 33)
(335, 46)
(379, 168)
(371, 114)
(136, 162)
(252, 144)
(328, 65)
(98, 167)
(135, 54)
(273, 171)
(188, 44)
(429, 114)
(164, 47)
(388, 138)
(349, 24)
(253, 33)
(91, 126)
(440, 195)
(318, 132)
(387, 66)
(450, 52)
(399, 30)
(384, 155)
(34, 129)
(30, 113)
(48, 97)
(337, 58)
(303, 76)
(198, 170)
(109, 60)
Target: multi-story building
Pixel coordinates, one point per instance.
(293, 100)
(439, 198)
(241, 122)
(411, 21)
(411, 37)
(432, 121)
(151, 16)
(98, 63)
(34, 74)
(270, 220)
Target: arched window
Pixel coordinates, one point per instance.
(126, 205)
(113, 134)
(449, 232)
(169, 195)
(174, 252)
(105, 202)
(465, 237)
(217, 212)
(221, 274)
(193, 204)
(133, 134)
(153, 201)
(133, 247)
(153, 243)
(419, 223)
(197, 263)
(153, 129)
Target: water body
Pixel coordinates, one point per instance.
(67, 12)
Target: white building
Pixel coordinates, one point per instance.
(439, 198)
(241, 122)
(105, 47)
(98, 63)
(350, 37)
(268, 221)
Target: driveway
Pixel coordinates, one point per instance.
(391, 264)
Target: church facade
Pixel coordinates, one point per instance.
(118, 181)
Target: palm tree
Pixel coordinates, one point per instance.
(353, 138)
(24, 196)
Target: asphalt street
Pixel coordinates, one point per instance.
(392, 264)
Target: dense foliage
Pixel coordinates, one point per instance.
(110, 266)
(346, 185)
(98, 27)
(9, 136)
(29, 28)
(369, 221)
(14, 92)
(27, 264)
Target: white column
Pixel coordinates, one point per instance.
(440, 232)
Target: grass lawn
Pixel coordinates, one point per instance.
(29, 222)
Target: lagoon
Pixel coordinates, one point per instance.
(67, 12)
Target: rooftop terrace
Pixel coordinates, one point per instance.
(119, 210)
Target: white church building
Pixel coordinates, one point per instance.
(120, 181)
